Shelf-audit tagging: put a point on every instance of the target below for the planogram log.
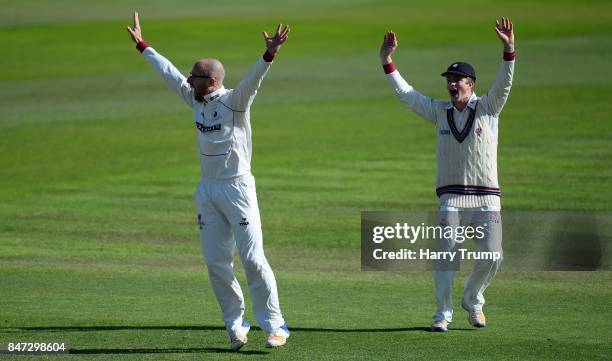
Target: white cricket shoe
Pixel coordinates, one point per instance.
(439, 326)
(476, 317)
(238, 338)
(279, 337)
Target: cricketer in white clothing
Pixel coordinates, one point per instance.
(228, 213)
(466, 156)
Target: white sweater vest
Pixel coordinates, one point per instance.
(467, 157)
(467, 161)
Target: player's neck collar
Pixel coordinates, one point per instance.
(214, 95)
(471, 102)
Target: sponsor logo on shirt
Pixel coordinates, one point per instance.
(244, 222)
(444, 131)
(208, 128)
(478, 131)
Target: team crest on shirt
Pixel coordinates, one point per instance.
(214, 116)
(478, 131)
(444, 131)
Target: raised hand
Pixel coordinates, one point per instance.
(505, 33)
(273, 43)
(388, 47)
(135, 32)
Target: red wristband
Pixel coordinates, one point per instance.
(268, 57)
(389, 68)
(509, 56)
(141, 46)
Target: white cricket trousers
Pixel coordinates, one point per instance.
(228, 215)
(490, 219)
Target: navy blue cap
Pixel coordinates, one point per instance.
(462, 69)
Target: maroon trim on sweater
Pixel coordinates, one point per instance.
(141, 46)
(268, 57)
(466, 189)
(389, 68)
(509, 56)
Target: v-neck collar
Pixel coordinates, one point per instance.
(450, 117)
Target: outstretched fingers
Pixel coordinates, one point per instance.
(135, 32)
(280, 34)
(390, 39)
(504, 30)
(273, 43)
(388, 47)
(284, 34)
(136, 20)
(504, 26)
(285, 31)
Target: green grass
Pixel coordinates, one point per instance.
(98, 239)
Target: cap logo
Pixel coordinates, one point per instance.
(455, 65)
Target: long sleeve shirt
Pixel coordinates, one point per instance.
(222, 119)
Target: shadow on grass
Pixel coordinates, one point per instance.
(213, 328)
(125, 351)
(109, 328)
(367, 330)
(94, 351)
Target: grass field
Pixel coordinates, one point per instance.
(98, 163)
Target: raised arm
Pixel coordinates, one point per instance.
(417, 102)
(245, 92)
(497, 96)
(171, 75)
